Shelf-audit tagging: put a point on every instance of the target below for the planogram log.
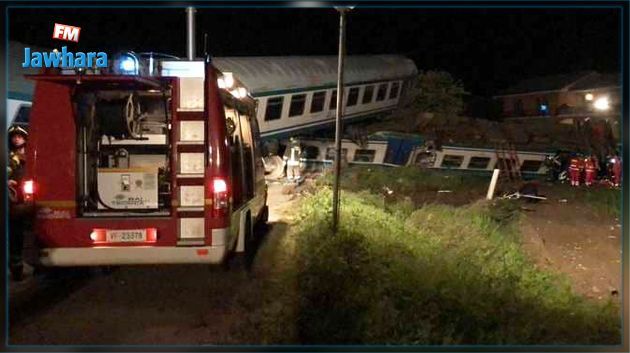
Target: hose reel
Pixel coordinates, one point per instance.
(120, 118)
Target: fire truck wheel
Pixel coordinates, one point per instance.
(264, 216)
(243, 261)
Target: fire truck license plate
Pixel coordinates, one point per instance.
(132, 235)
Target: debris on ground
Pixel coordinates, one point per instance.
(288, 189)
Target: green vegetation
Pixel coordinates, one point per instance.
(431, 275)
(437, 92)
(602, 199)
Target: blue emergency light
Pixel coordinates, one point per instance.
(127, 64)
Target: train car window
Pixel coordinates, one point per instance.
(364, 155)
(393, 92)
(353, 96)
(317, 104)
(478, 162)
(530, 166)
(297, 105)
(382, 92)
(23, 114)
(274, 108)
(333, 100)
(452, 161)
(310, 152)
(330, 153)
(425, 159)
(503, 163)
(368, 95)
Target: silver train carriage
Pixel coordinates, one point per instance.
(394, 151)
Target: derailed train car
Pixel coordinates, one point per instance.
(395, 149)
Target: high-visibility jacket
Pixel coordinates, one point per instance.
(590, 165)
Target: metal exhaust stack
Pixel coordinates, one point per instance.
(190, 33)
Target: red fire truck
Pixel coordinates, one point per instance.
(149, 162)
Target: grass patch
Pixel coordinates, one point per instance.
(406, 180)
(434, 275)
(602, 199)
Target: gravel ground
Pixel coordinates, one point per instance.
(188, 304)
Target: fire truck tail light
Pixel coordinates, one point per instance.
(98, 235)
(219, 185)
(28, 188)
(220, 194)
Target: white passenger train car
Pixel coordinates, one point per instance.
(298, 93)
(319, 153)
(293, 93)
(475, 159)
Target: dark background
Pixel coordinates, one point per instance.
(488, 49)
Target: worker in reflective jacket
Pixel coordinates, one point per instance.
(18, 210)
(293, 162)
(590, 170)
(615, 162)
(575, 168)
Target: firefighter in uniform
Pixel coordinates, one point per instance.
(18, 210)
(575, 169)
(615, 169)
(293, 162)
(590, 170)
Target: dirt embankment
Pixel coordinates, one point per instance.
(571, 237)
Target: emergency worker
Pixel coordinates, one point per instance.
(615, 167)
(293, 162)
(575, 168)
(590, 170)
(18, 210)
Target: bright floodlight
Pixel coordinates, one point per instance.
(602, 104)
(588, 97)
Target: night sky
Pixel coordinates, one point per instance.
(488, 49)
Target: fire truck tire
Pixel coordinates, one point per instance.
(264, 216)
(243, 261)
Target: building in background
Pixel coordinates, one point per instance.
(568, 97)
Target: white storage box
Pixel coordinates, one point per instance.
(126, 189)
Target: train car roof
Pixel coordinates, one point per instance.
(268, 75)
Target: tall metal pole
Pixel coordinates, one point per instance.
(190, 33)
(342, 53)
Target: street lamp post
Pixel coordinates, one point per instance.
(337, 164)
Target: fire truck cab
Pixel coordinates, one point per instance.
(154, 162)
